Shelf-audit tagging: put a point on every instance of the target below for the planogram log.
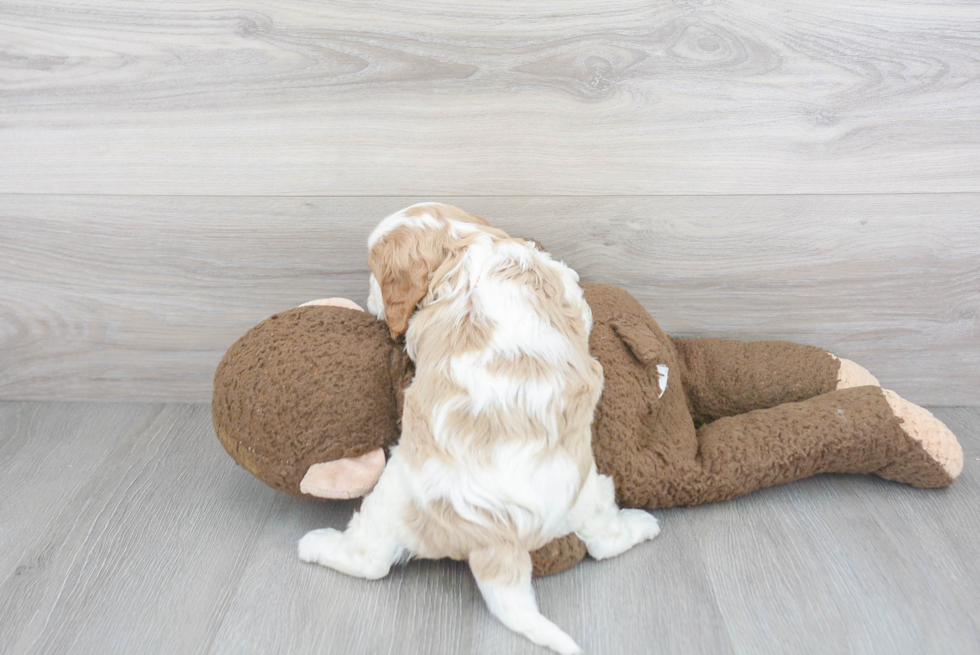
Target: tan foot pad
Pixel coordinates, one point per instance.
(852, 374)
(333, 302)
(932, 434)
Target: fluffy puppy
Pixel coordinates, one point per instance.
(495, 456)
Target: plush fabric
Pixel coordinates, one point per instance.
(309, 385)
(319, 383)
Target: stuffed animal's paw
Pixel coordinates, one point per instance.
(935, 439)
(851, 374)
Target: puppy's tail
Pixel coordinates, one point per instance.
(503, 574)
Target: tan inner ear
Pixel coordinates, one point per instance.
(351, 477)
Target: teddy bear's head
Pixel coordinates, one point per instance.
(309, 400)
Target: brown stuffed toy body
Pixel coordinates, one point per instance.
(310, 399)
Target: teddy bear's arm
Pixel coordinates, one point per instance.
(722, 377)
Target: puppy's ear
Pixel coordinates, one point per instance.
(402, 293)
(403, 268)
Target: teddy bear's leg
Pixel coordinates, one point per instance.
(503, 574)
(557, 555)
(722, 377)
(605, 529)
(373, 540)
(856, 430)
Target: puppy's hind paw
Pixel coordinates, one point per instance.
(338, 551)
(639, 525)
(644, 523)
(633, 526)
(320, 546)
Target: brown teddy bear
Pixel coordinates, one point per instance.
(309, 400)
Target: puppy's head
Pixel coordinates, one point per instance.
(407, 251)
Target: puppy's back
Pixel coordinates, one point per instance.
(498, 417)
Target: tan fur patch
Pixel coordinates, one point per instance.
(443, 334)
(418, 443)
(444, 212)
(403, 262)
(407, 260)
(520, 368)
(549, 290)
(481, 430)
(504, 562)
(490, 547)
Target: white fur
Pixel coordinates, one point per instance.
(607, 530)
(375, 304)
(517, 609)
(375, 537)
(535, 495)
(525, 484)
(663, 373)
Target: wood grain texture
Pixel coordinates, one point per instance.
(157, 542)
(47, 456)
(529, 98)
(882, 567)
(139, 559)
(137, 298)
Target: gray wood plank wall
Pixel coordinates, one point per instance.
(172, 173)
(284, 97)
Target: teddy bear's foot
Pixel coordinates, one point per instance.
(851, 374)
(944, 459)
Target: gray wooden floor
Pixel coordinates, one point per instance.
(125, 528)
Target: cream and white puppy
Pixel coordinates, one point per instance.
(495, 456)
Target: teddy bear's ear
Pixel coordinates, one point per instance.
(350, 477)
(640, 340)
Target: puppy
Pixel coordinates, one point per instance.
(495, 456)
